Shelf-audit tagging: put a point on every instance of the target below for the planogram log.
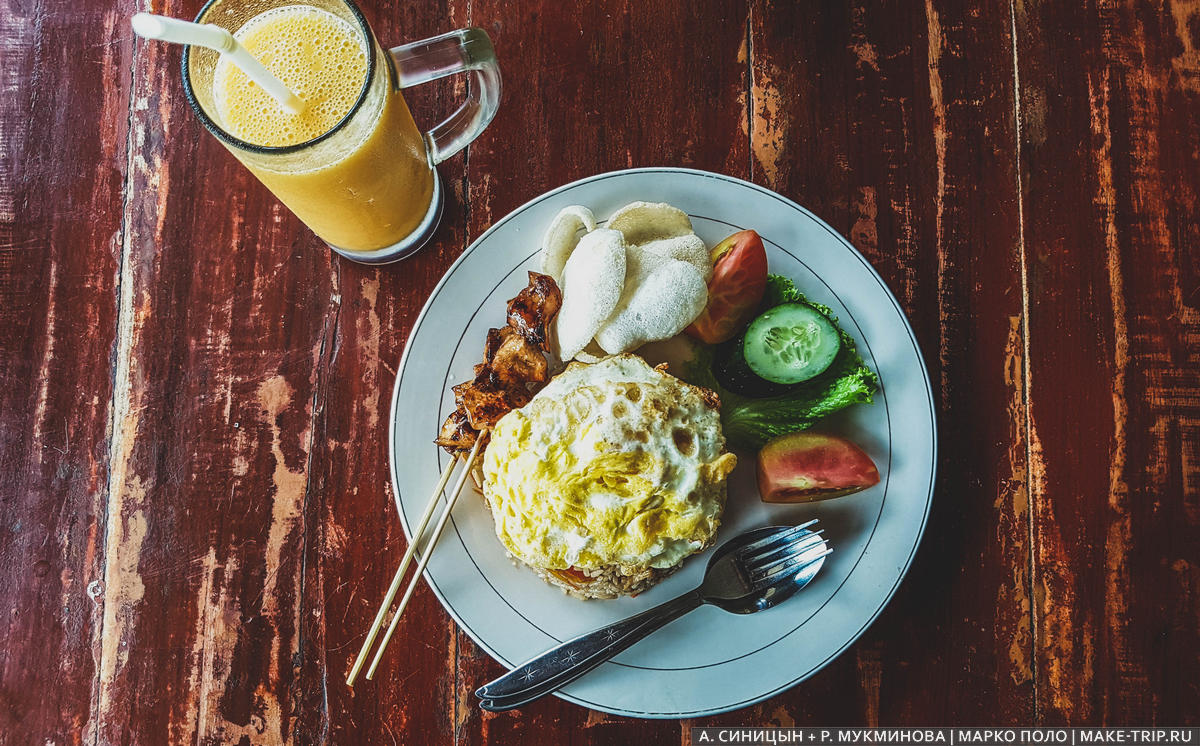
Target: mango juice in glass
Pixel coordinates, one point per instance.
(352, 165)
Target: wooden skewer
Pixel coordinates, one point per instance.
(429, 546)
(395, 586)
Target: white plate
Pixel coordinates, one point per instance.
(709, 661)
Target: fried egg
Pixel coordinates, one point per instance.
(613, 466)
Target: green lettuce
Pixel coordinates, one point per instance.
(750, 422)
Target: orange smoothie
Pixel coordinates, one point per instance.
(365, 187)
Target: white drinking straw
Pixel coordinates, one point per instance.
(218, 39)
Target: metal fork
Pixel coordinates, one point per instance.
(749, 573)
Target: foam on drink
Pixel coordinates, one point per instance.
(367, 186)
(315, 53)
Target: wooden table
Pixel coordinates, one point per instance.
(197, 524)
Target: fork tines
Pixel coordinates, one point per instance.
(777, 538)
(791, 565)
(783, 553)
(799, 542)
(781, 538)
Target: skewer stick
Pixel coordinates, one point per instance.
(429, 546)
(408, 555)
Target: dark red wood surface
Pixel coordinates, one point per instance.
(195, 520)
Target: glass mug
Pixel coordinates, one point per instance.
(368, 186)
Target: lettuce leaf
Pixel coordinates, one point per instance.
(750, 422)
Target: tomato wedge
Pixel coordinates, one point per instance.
(807, 466)
(735, 290)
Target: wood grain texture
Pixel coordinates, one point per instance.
(896, 126)
(252, 391)
(589, 88)
(355, 541)
(60, 239)
(1111, 95)
(197, 525)
(223, 328)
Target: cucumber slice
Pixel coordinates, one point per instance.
(731, 371)
(790, 343)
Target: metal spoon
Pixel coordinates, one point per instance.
(749, 573)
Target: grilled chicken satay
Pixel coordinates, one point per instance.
(514, 366)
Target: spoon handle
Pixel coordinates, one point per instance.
(563, 664)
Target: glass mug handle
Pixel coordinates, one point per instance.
(466, 50)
